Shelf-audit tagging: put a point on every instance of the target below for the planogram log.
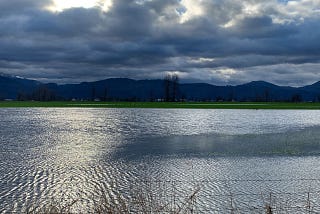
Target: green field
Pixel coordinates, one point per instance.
(189, 105)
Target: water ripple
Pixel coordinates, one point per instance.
(62, 155)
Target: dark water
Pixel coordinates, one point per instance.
(230, 155)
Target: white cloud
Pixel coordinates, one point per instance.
(225, 73)
(200, 60)
(61, 5)
(193, 8)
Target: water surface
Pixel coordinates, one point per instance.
(242, 155)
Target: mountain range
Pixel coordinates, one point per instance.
(16, 88)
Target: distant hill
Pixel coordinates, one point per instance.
(11, 86)
(147, 90)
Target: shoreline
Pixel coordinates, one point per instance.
(163, 105)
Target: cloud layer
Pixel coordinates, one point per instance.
(220, 42)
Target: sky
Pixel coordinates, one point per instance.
(222, 42)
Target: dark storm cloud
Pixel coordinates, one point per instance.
(14, 7)
(221, 42)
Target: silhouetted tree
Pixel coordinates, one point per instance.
(296, 98)
(93, 93)
(105, 94)
(183, 97)
(42, 93)
(219, 99)
(258, 97)
(266, 95)
(171, 87)
(175, 87)
(22, 96)
(167, 85)
(151, 96)
(231, 96)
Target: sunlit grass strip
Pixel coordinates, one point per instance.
(186, 105)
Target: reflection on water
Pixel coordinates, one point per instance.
(295, 142)
(69, 154)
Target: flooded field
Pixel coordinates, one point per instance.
(233, 159)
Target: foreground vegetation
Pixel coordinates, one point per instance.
(188, 105)
(164, 200)
(144, 197)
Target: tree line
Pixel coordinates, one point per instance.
(42, 93)
(169, 91)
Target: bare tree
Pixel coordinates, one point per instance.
(42, 93)
(175, 87)
(167, 85)
(171, 87)
(266, 95)
(296, 98)
(93, 92)
(105, 94)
